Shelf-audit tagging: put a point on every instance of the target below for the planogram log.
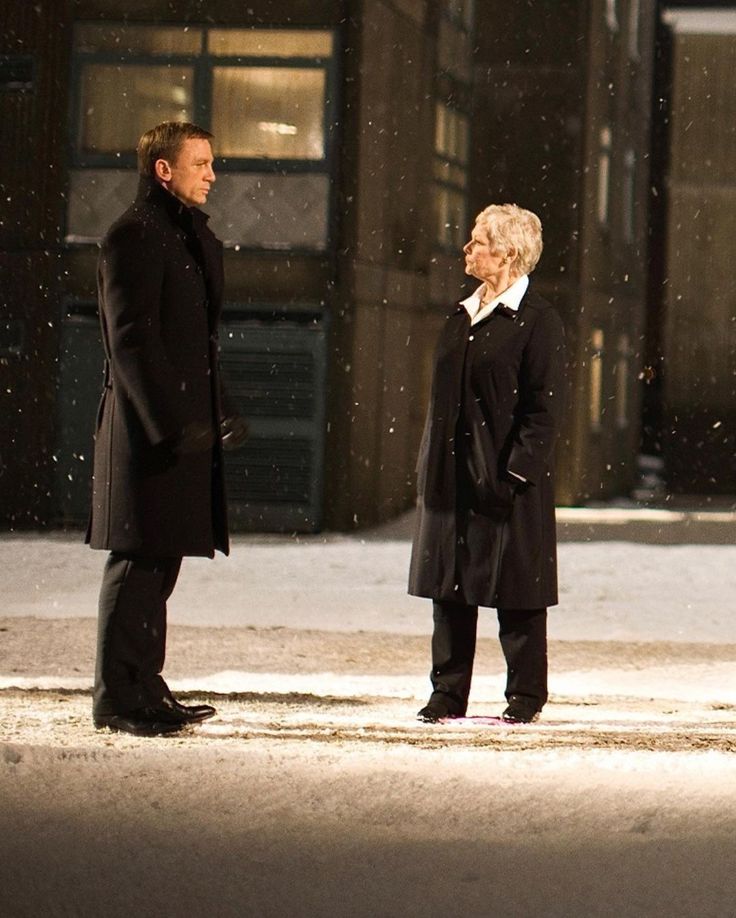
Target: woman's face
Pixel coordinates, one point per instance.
(484, 262)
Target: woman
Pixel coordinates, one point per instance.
(485, 533)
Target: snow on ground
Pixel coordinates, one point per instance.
(609, 590)
(315, 792)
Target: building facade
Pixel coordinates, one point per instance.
(341, 165)
(694, 293)
(356, 140)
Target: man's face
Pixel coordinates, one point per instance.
(191, 176)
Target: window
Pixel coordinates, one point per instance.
(629, 196)
(604, 175)
(461, 11)
(634, 17)
(596, 380)
(266, 95)
(16, 73)
(286, 121)
(612, 15)
(622, 381)
(451, 147)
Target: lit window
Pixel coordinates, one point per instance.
(136, 40)
(462, 12)
(612, 15)
(622, 381)
(629, 196)
(451, 148)
(270, 113)
(604, 175)
(116, 100)
(264, 93)
(634, 17)
(596, 380)
(283, 43)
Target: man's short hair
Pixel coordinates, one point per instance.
(164, 142)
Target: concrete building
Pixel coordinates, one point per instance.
(355, 140)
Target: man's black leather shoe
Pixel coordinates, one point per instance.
(519, 711)
(141, 722)
(434, 711)
(189, 713)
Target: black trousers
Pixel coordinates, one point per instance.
(523, 636)
(131, 632)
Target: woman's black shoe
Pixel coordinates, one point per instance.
(435, 711)
(519, 711)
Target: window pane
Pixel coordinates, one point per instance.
(450, 215)
(622, 381)
(634, 16)
(596, 380)
(439, 128)
(611, 15)
(451, 133)
(120, 102)
(126, 39)
(629, 195)
(462, 11)
(604, 175)
(270, 112)
(271, 211)
(447, 172)
(269, 43)
(463, 142)
(262, 210)
(96, 198)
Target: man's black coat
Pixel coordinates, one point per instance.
(160, 295)
(481, 538)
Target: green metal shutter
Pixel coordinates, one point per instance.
(274, 372)
(273, 367)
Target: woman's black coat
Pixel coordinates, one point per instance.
(160, 296)
(481, 537)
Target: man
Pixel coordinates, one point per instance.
(158, 491)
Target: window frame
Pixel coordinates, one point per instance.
(441, 158)
(203, 65)
(464, 20)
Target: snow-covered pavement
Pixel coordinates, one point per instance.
(609, 590)
(316, 794)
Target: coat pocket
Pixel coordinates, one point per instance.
(481, 477)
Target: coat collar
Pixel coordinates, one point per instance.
(510, 298)
(508, 312)
(189, 218)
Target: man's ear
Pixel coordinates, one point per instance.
(162, 170)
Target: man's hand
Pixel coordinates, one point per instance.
(234, 431)
(196, 437)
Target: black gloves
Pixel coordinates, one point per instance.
(196, 437)
(199, 436)
(234, 431)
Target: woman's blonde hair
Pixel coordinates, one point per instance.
(509, 226)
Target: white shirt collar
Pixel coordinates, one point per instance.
(511, 298)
